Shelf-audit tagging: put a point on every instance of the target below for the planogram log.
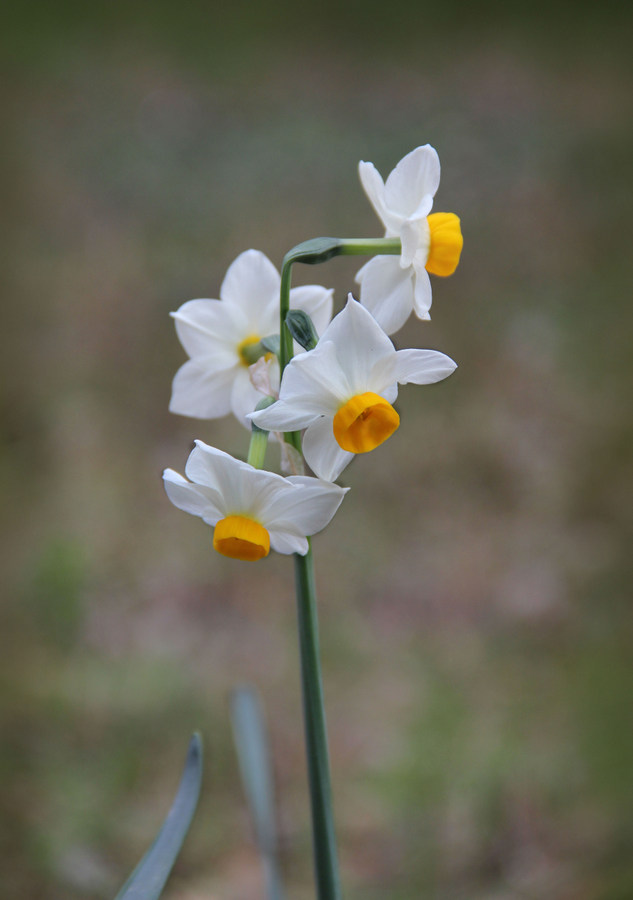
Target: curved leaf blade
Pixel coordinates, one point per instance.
(148, 879)
(252, 750)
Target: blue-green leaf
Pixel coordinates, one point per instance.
(252, 750)
(148, 879)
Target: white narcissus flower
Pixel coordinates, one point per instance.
(217, 333)
(391, 287)
(341, 392)
(251, 509)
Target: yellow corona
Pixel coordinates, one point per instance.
(364, 422)
(445, 244)
(241, 538)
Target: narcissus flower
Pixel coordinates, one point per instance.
(217, 335)
(250, 509)
(342, 391)
(391, 287)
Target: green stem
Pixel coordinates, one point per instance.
(323, 838)
(369, 246)
(285, 338)
(325, 855)
(259, 439)
(257, 448)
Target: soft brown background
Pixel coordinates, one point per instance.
(475, 587)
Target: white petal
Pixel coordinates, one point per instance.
(316, 301)
(315, 381)
(230, 477)
(209, 328)
(415, 237)
(422, 294)
(244, 490)
(382, 380)
(251, 283)
(322, 453)
(374, 187)
(284, 542)
(282, 417)
(359, 341)
(411, 186)
(387, 291)
(201, 392)
(244, 397)
(192, 498)
(422, 366)
(305, 510)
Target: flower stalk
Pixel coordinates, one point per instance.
(332, 402)
(259, 439)
(326, 867)
(323, 837)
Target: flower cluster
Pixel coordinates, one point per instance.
(340, 391)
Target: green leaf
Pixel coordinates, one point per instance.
(252, 750)
(148, 879)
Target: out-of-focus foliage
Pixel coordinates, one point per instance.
(148, 879)
(475, 588)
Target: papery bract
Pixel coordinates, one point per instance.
(217, 334)
(341, 392)
(391, 287)
(251, 509)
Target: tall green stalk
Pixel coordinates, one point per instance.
(323, 837)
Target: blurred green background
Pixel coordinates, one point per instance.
(475, 587)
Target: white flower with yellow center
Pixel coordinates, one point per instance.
(218, 333)
(250, 509)
(342, 391)
(391, 287)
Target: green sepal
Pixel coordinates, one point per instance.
(321, 249)
(271, 343)
(148, 879)
(264, 403)
(252, 352)
(316, 250)
(302, 328)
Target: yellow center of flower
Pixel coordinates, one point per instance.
(242, 349)
(446, 243)
(241, 538)
(364, 422)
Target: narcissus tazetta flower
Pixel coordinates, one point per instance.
(391, 287)
(342, 391)
(251, 510)
(217, 334)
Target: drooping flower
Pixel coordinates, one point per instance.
(342, 391)
(217, 335)
(391, 287)
(251, 509)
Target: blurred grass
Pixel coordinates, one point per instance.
(475, 586)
